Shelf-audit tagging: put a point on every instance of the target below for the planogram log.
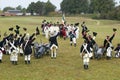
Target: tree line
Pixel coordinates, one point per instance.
(105, 9)
(41, 8)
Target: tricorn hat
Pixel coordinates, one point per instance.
(11, 29)
(25, 29)
(76, 24)
(17, 27)
(94, 34)
(114, 29)
(16, 31)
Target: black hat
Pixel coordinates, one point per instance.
(37, 31)
(16, 31)
(11, 29)
(17, 27)
(85, 41)
(94, 34)
(25, 29)
(114, 29)
(76, 24)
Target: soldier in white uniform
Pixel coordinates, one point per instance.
(77, 30)
(14, 52)
(84, 52)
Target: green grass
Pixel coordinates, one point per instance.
(68, 65)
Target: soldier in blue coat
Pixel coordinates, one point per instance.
(27, 49)
(53, 44)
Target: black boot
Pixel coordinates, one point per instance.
(108, 58)
(0, 61)
(85, 66)
(12, 62)
(21, 54)
(15, 62)
(28, 62)
(91, 57)
(25, 62)
(74, 45)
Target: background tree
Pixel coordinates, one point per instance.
(103, 7)
(31, 8)
(49, 7)
(41, 8)
(19, 7)
(24, 10)
(8, 8)
(74, 6)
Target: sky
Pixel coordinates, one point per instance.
(25, 3)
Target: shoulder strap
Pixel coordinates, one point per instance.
(26, 44)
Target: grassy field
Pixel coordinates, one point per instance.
(68, 65)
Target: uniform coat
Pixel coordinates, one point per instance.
(27, 45)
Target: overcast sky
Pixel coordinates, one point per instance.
(25, 3)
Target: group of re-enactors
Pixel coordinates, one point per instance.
(90, 49)
(14, 44)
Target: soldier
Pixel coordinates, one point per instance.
(77, 30)
(72, 38)
(109, 39)
(84, 52)
(27, 47)
(20, 42)
(53, 44)
(84, 29)
(14, 51)
(117, 51)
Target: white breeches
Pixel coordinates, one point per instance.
(1, 55)
(21, 50)
(109, 54)
(86, 59)
(14, 57)
(53, 46)
(77, 35)
(54, 50)
(90, 54)
(27, 57)
(47, 34)
(74, 40)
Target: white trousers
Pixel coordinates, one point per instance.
(74, 40)
(90, 54)
(21, 50)
(109, 54)
(27, 57)
(54, 51)
(1, 55)
(14, 57)
(86, 59)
